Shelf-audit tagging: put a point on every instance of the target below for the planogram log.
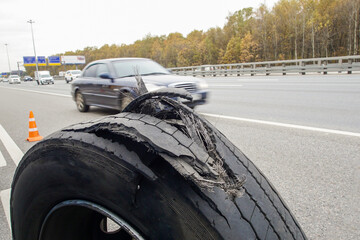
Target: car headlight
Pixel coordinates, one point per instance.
(202, 84)
(152, 87)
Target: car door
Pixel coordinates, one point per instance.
(107, 91)
(87, 84)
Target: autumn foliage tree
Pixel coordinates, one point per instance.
(292, 29)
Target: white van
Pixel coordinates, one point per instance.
(43, 77)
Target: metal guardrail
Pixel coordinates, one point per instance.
(302, 66)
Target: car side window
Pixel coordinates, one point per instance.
(102, 68)
(91, 71)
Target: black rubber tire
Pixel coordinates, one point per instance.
(81, 102)
(131, 164)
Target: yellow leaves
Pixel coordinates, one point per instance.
(248, 35)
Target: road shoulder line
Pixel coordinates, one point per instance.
(315, 129)
(34, 91)
(14, 151)
(16, 154)
(224, 85)
(2, 160)
(5, 200)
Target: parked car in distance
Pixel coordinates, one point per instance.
(111, 83)
(5, 79)
(27, 78)
(72, 75)
(13, 79)
(43, 77)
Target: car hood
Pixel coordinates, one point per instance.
(165, 80)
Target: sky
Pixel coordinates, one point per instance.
(70, 25)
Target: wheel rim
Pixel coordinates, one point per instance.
(78, 219)
(80, 101)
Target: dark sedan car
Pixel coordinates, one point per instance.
(27, 78)
(111, 83)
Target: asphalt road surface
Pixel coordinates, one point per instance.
(303, 132)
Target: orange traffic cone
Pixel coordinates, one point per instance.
(33, 131)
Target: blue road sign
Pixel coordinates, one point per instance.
(41, 60)
(54, 61)
(29, 61)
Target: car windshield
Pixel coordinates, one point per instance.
(45, 75)
(14, 76)
(128, 68)
(75, 72)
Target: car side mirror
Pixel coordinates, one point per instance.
(106, 76)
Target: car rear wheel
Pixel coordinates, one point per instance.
(80, 102)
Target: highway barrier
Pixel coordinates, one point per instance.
(345, 64)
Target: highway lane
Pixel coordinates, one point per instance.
(317, 173)
(323, 101)
(331, 101)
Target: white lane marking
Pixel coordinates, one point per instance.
(2, 160)
(14, 151)
(315, 129)
(258, 79)
(224, 85)
(41, 92)
(295, 84)
(16, 154)
(5, 199)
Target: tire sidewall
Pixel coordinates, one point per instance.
(49, 179)
(51, 174)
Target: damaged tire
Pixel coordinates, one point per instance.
(149, 177)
